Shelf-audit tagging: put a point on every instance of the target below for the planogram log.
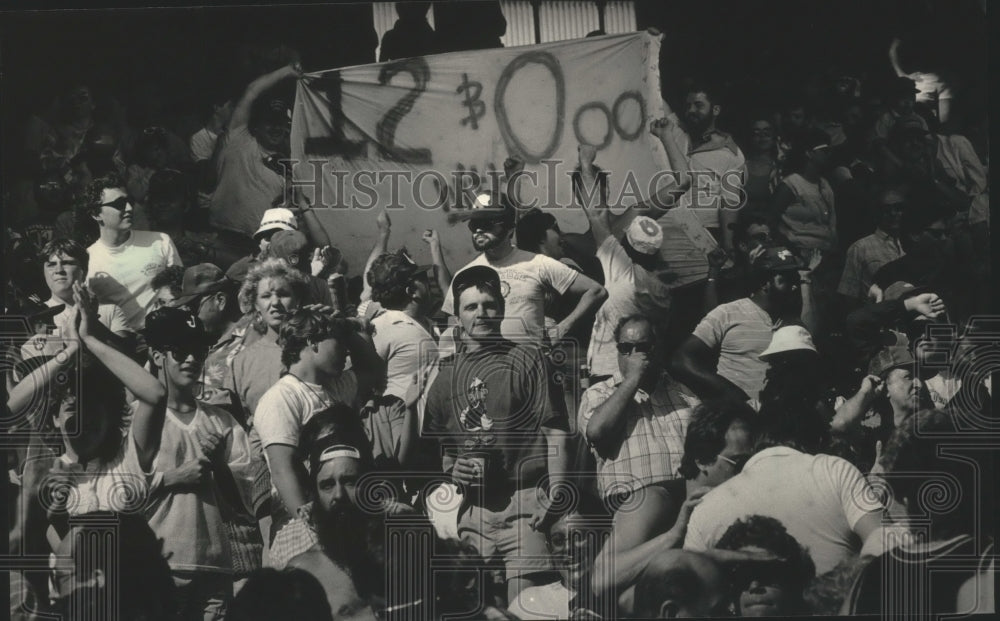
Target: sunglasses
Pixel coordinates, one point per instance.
(180, 353)
(484, 225)
(121, 203)
(738, 463)
(626, 349)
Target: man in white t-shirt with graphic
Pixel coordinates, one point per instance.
(525, 277)
(123, 262)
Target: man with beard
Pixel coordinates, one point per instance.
(525, 277)
(717, 164)
(347, 538)
(720, 359)
(257, 135)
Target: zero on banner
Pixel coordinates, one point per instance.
(593, 105)
(616, 114)
(514, 144)
(385, 129)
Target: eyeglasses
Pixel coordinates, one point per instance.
(121, 203)
(181, 352)
(737, 463)
(626, 349)
(938, 234)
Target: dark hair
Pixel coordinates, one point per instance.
(917, 216)
(791, 419)
(680, 584)
(532, 227)
(802, 142)
(304, 328)
(91, 195)
(482, 286)
(171, 276)
(68, 247)
(143, 586)
(913, 449)
(101, 394)
(770, 534)
(712, 93)
(706, 434)
(744, 220)
(624, 321)
(388, 289)
(290, 593)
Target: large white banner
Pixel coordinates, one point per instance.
(412, 135)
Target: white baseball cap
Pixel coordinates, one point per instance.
(277, 219)
(789, 338)
(645, 235)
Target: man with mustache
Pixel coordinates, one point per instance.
(123, 261)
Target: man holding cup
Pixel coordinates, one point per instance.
(496, 410)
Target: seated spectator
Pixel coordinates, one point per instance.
(771, 589)
(823, 501)
(909, 459)
(802, 208)
(900, 97)
(635, 425)
(679, 583)
(52, 216)
(123, 261)
(202, 147)
(736, 333)
(151, 154)
(867, 255)
(751, 232)
(763, 174)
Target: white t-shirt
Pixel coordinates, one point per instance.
(524, 279)
(120, 485)
(51, 344)
(550, 601)
(123, 275)
(619, 280)
(406, 347)
(189, 520)
(247, 187)
(290, 403)
(818, 498)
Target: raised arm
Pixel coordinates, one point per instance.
(589, 192)
(605, 430)
(441, 271)
(381, 247)
(241, 113)
(590, 295)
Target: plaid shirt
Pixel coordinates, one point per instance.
(293, 539)
(653, 442)
(864, 258)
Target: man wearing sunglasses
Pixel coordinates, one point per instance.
(204, 459)
(635, 423)
(525, 277)
(870, 253)
(123, 262)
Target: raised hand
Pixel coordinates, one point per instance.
(661, 128)
(431, 238)
(383, 222)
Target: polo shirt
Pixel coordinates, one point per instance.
(653, 442)
(864, 258)
(739, 331)
(717, 154)
(818, 498)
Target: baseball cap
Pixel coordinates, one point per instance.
(199, 280)
(492, 206)
(645, 235)
(286, 243)
(900, 290)
(889, 358)
(393, 269)
(276, 219)
(788, 338)
(167, 326)
(238, 271)
(475, 274)
(777, 259)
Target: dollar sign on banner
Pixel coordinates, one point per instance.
(477, 108)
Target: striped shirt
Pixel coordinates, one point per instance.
(653, 444)
(864, 258)
(739, 331)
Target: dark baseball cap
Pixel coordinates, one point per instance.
(286, 243)
(168, 326)
(475, 275)
(889, 358)
(777, 259)
(490, 205)
(199, 280)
